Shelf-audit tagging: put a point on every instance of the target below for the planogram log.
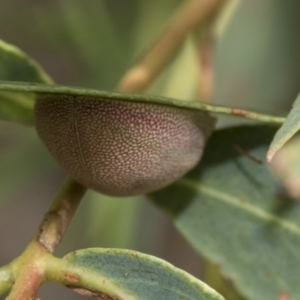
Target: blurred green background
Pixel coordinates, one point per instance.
(92, 43)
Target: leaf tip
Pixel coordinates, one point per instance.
(270, 155)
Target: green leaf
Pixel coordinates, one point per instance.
(124, 274)
(289, 128)
(173, 81)
(77, 91)
(17, 66)
(232, 211)
(17, 107)
(286, 167)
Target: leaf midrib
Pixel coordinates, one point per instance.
(244, 206)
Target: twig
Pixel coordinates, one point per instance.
(192, 14)
(28, 268)
(59, 215)
(28, 280)
(206, 76)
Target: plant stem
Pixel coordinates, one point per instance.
(206, 76)
(59, 215)
(28, 268)
(6, 279)
(194, 13)
(28, 273)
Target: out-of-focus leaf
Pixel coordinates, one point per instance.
(195, 105)
(173, 81)
(124, 274)
(17, 66)
(231, 210)
(91, 28)
(213, 277)
(286, 166)
(151, 18)
(17, 107)
(225, 17)
(121, 217)
(286, 131)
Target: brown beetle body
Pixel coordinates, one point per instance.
(120, 147)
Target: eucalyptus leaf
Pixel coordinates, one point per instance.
(290, 127)
(23, 87)
(17, 66)
(233, 212)
(124, 274)
(286, 167)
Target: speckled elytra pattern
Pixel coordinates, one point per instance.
(119, 147)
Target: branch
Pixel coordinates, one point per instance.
(28, 268)
(59, 215)
(193, 14)
(206, 76)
